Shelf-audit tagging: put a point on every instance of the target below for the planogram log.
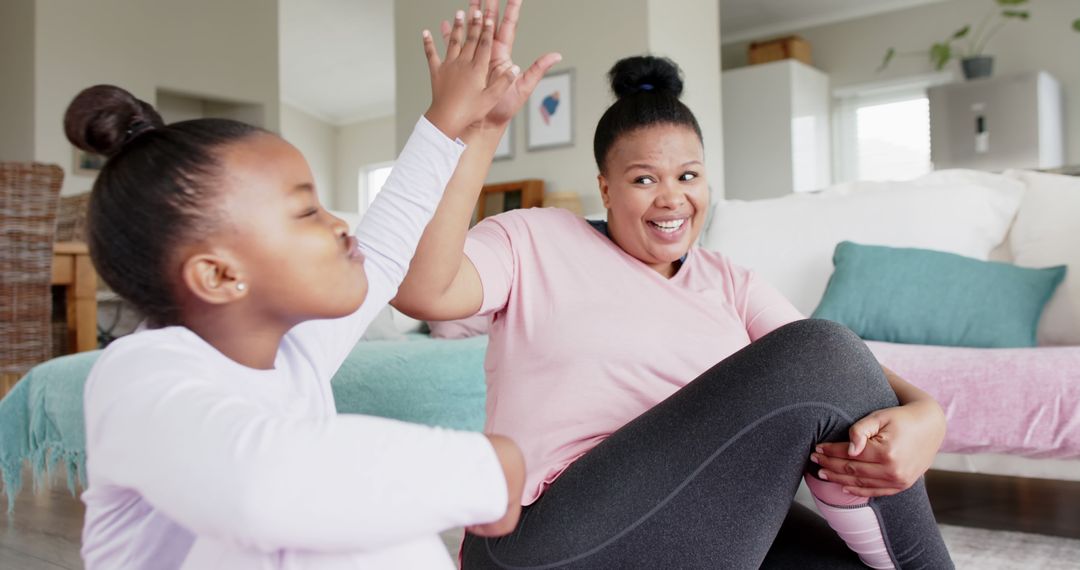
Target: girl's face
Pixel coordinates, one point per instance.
(654, 189)
(296, 260)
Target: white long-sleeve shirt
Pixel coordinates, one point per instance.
(196, 461)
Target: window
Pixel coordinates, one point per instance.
(372, 178)
(883, 131)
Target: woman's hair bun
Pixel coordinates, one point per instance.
(645, 73)
(103, 118)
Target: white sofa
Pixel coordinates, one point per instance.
(1026, 218)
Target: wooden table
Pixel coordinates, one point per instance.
(73, 271)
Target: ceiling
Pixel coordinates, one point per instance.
(337, 56)
(742, 20)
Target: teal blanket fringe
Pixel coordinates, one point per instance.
(422, 380)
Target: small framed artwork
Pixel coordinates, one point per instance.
(551, 112)
(505, 150)
(87, 163)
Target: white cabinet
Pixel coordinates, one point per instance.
(776, 130)
(998, 123)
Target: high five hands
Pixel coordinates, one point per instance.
(514, 97)
(464, 88)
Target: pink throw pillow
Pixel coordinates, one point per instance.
(461, 328)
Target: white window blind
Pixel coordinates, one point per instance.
(883, 130)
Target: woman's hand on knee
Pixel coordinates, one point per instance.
(513, 466)
(889, 451)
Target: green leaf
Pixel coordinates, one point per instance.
(1018, 14)
(961, 32)
(889, 55)
(940, 54)
(1076, 24)
(1011, 2)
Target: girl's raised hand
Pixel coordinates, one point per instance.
(502, 48)
(464, 85)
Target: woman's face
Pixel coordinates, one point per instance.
(654, 188)
(296, 260)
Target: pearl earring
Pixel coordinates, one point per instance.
(241, 287)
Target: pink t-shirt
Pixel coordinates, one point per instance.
(585, 337)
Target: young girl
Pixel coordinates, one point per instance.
(212, 437)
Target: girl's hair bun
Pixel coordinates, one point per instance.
(103, 118)
(645, 74)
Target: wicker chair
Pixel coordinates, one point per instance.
(71, 217)
(29, 194)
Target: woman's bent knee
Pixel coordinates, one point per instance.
(830, 361)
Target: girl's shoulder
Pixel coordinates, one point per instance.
(165, 343)
(152, 353)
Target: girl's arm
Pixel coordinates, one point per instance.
(223, 466)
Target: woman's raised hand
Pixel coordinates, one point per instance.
(465, 87)
(502, 48)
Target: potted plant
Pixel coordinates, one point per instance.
(970, 47)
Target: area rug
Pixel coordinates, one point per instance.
(971, 548)
(981, 549)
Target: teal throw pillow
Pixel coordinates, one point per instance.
(919, 296)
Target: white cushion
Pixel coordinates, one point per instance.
(1047, 233)
(789, 241)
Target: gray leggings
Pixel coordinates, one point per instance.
(705, 479)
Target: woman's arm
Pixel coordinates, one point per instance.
(442, 283)
(890, 449)
(465, 87)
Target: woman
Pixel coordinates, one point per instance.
(640, 450)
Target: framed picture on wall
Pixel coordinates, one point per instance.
(87, 163)
(550, 115)
(505, 150)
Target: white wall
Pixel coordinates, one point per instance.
(336, 153)
(590, 35)
(851, 51)
(17, 80)
(218, 50)
(688, 31)
(316, 139)
(360, 144)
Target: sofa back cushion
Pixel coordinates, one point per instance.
(789, 241)
(1047, 232)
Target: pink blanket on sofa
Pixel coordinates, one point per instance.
(1018, 401)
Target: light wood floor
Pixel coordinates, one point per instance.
(1040, 506)
(44, 532)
